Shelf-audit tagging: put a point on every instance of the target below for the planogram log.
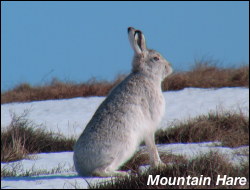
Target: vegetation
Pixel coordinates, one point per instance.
(231, 129)
(23, 137)
(207, 75)
(203, 75)
(209, 165)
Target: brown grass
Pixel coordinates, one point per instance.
(209, 165)
(231, 129)
(23, 137)
(206, 75)
(203, 75)
(57, 90)
(142, 158)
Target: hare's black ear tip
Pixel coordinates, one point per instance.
(130, 28)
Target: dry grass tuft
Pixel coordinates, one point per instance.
(22, 137)
(231, 129)
(142, 158)
(206, 75)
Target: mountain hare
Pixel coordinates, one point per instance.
(129, 115)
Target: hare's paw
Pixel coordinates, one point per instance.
(159, 164)
(104, 173)
(120, 173)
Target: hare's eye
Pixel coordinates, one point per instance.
(156, 58)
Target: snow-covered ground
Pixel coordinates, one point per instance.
(69, 117)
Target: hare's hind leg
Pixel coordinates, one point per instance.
(111, 168)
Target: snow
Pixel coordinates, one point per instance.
(70, 116)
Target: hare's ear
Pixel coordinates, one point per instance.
(137, 40)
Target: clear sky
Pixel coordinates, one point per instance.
(75, 41)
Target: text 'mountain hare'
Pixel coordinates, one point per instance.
(129, 115)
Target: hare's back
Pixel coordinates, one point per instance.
(121, 110)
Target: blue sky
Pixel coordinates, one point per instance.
(75, 41)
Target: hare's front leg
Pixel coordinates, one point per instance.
(155, 159)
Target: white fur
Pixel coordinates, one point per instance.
(129, 115)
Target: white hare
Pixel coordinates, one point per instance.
(129, 115)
